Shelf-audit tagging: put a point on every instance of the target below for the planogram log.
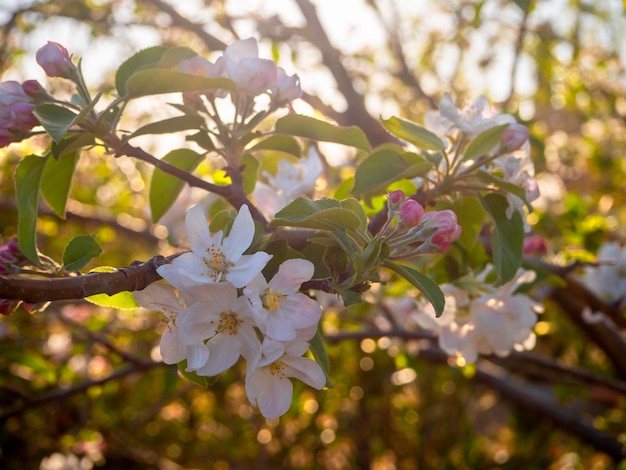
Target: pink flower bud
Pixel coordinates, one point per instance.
(55, 61)
(396, 197)
(411, 212)
(447, 230)
(13, 246)
(16, 113)
(35, 91)
(535, 245)
(514, 137)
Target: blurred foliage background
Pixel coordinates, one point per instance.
(79, 387)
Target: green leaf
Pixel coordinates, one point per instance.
(386, 166)
(79, 251)
(201, 380)
(471, 216)
(165, 188)
(142, 59)
(484, 142)
(56, 181)
(70, 143)
(250, 172)
(169, 126)
(508, 237)
(56, 120)
(322, 214)
(426, 285)
(122, 300)
(413, 133)
(315, 129)
(318, 349)
(355, 206)
(159, 81)
(27, 180)
(280, 143)
(503, 185)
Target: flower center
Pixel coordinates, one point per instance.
(228, 324)
(272, 299)
(216, 262)
(277, 369)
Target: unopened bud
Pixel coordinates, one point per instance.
(514, 137)
(411, 212)
(55, 61)
(535, 245)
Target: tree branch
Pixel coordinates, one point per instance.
(33, 290)
(356, 113)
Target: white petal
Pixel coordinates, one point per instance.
(240, 236)
(242, 49)
(247, 268)
(197, 355)
(158, 297)
(306, 370)
(197, 229)
(224, 353)
(172, 351)
(303, 311)
(291, 274)
(272, 394)
(279, 327)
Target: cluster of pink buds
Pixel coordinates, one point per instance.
(417, 232)
(16, 110)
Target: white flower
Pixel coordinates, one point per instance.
(224, 322)
(473, 119)
(497, 322)
(213, 258)
(243, 66)
(290, 181)
(278, 307)
(267, 383)
(608, 281)
(163, 298)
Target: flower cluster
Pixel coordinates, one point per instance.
(251, 74)
(485, 320)
(608, 279)
(222, 308)
(417, 232)
(16, 111)
(509, 159)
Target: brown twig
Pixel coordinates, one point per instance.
(35, 290)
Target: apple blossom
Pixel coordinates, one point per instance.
(278, 307)
(513, 137)
(608, 279)
(243, 66)
(287, 87)
(163, 298)
(496, 322)
(267, 382)
(290, 181)
(224, 322)
(213, 257)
